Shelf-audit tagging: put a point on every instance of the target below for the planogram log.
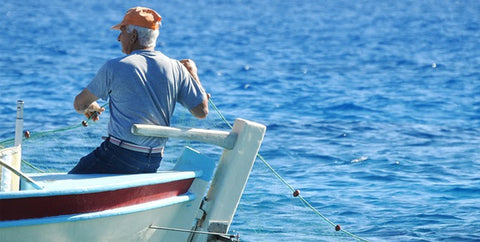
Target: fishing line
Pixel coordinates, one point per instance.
(295, 192)
(34, 135)
(28, 135)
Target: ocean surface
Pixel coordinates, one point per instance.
(372, 108)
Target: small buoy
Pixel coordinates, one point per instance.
(296, 193)
(26, 134)
(338, 228)
(84, 123)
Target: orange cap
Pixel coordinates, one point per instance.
(140, 16)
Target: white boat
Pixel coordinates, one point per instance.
(195, 201)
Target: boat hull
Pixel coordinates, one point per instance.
(123, 224)
(102, 207)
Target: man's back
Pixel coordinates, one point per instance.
(143, 88)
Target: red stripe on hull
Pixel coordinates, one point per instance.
(39, 207)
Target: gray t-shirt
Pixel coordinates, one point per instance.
(143, 88)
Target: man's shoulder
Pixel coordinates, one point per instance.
(122, 62)
(137, 59)
(157, 55)
(116, 60)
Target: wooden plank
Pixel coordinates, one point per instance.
(230, 178)
(221, 138)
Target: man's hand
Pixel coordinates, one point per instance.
(93, 111)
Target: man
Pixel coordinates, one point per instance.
(142, 87)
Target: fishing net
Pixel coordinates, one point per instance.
(267, 193)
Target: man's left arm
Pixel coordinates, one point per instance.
(86, 103)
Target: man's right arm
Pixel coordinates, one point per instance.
(201, 110)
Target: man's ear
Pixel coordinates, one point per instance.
(134, 36)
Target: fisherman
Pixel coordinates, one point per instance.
(143, 88)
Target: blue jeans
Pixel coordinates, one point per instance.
(109, 158)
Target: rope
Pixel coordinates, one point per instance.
(296, 193)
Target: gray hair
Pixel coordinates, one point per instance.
(147, 37)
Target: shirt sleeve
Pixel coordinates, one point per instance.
(191, 93)
(99, 85)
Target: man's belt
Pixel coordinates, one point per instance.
(134, 147)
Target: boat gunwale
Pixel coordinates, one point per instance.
(56, 188)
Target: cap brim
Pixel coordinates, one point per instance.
(117, 27)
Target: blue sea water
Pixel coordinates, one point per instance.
(372, 107)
